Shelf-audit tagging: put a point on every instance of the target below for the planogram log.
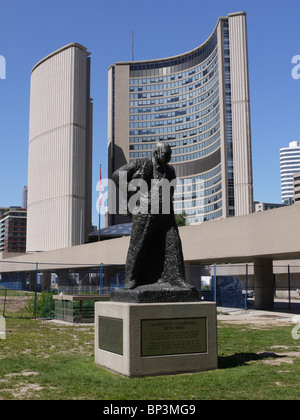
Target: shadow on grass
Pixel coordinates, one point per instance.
(243, 359)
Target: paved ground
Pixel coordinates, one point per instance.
(281, 314)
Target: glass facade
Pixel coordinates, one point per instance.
(178, 101)
(186, 101)
(289, 165)
(13, 231)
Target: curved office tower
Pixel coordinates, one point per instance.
(60, 151)
(198, 102)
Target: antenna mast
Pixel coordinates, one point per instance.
(132, 45)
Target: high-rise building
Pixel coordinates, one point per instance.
(259, 206)
(289, 164)
(297, 187)
(13, 230)
(198, 102)
(25, 197)
(60, 151)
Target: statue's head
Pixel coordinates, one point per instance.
(162, 153)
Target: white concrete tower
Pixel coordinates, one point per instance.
(60, 151)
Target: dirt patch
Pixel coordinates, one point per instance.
(23, 389)
(278, 361)
(14, 303)
(287, 357)
(23, 373)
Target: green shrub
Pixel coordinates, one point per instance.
(44, 305)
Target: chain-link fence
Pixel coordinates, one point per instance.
(69, 293)
(37, 289)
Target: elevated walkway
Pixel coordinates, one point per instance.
(260, 238)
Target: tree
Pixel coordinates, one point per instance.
(180, 219)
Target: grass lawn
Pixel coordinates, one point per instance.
(49, 361)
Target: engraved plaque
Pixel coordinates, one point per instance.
(161, 337)
(111, 334)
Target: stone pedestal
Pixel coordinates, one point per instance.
(151, 293)
(142, 339)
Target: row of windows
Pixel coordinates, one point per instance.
(177, 87)
(192, 212)
(9, 219)
(200, 101)
(290, 170)
(181, 138)
(208, 177)
(192, 187)
(205, 218)
(287, 175)
(183, 207)
(199, 202)
(178, 150)
(192, 90)
(175, 84)
(176, 76)
(198, 194)
(288, 159)
(174, 65)
(177, 128)
(199, 115)
(290, 152)
(185, 108)
(181, 158)
(6, 232)
(14, 248)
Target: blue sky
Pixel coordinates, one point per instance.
(32, 29)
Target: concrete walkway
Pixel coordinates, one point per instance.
(279, 315)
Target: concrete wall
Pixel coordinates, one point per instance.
(272, 234)
(241, 135)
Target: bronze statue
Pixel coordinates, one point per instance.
(154, 267)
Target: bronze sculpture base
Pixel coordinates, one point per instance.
(155, 293)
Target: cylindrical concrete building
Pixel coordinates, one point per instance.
(199, 103)
(60, 151)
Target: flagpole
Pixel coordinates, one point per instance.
(100, 200)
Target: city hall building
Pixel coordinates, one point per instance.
(198, 102)
(60, 151)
